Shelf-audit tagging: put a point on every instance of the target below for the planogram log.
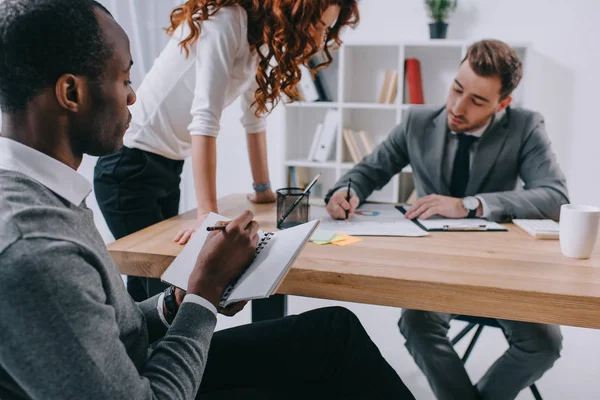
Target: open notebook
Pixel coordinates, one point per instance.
(275, 254)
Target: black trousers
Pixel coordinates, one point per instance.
(136, 189)
(320, 354)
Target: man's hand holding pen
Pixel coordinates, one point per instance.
(338, 204)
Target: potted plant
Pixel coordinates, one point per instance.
(439, 10)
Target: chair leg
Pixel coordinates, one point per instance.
(462, 333)
(472, 344)
(535, 391)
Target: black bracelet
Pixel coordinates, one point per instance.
(170, 301)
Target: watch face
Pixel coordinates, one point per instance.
(470, 203)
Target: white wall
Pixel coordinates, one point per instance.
(563, 86)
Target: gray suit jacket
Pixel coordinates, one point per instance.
(515, 147)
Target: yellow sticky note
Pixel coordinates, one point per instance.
(347, 240)
(336, 238)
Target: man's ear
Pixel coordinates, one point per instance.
(505, 102)
(70, 91)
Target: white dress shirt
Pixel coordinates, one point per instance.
(66, 183)
(184, 96)
(452, 147)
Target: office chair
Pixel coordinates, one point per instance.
(480, 323)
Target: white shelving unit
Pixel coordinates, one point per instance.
(355, 79)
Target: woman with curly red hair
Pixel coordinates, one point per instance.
(220, 50)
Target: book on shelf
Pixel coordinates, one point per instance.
(413, 92)
(359, 143)
(323, 142)
(351, 145)
(389, 88)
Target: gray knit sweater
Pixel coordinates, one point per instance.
(68, 328)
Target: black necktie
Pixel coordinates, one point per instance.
(461, 167)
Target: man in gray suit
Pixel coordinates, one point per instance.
(467, 158)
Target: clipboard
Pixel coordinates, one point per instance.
(458, 225)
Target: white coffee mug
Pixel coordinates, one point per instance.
(578, 230)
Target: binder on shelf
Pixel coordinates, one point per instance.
(307, 87)
(292, 176)
(321, 81)
(414, 82)
(311, 89)
(327, 136)
(315, 142)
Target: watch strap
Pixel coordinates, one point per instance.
(262, 187)
(170, 301)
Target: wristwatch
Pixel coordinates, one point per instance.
(261, 188)
(170, 301)
(471, 204)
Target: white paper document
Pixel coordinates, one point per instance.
(460, 224)
(369, 220)
(438, 223)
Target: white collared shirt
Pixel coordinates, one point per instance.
(53, 174)
(66, 183)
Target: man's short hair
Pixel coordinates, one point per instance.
(496, 58)
(41, 40)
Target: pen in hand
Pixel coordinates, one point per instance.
(217, 227)
(348, 196)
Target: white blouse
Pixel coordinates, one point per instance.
(182, 96)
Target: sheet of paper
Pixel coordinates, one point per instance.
(370, 220)
(438, 223)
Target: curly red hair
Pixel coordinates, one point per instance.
(281, 29)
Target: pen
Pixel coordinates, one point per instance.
(348, 195)
(216, 228)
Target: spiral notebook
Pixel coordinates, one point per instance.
(274, 256)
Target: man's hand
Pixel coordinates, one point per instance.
(338, 204)
(434, 204)
(224, 256)
(266, 196)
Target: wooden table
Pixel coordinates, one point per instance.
(506, 275)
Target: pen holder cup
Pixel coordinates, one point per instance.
(286, 198)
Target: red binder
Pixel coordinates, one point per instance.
(412, 68)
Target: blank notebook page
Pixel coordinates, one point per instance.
(181, 268)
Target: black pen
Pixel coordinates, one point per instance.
(348, 195)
